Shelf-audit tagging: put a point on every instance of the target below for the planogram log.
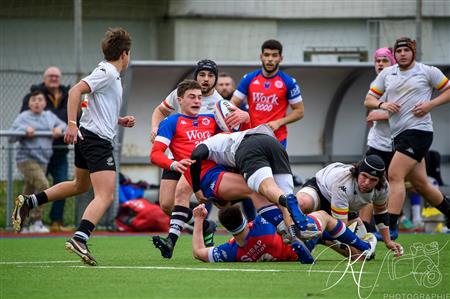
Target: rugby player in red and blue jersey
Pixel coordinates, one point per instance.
(269, 92)
(258, 241)
(180, 133)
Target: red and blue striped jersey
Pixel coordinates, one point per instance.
(262, 244)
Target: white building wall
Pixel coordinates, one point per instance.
(440, 50)
(298, 35)
(221, 39)
(308, 9)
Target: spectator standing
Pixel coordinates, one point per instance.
(34, 153)
(56, 96)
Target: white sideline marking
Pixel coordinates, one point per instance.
(210, 269)
(24, 265)
(178, 268)
(43, 262)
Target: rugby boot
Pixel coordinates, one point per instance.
(21, 212)
(81, 250)
(164, 245)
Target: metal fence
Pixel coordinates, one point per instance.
(11, 184)
(14, 85)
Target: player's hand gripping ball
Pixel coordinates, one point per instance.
(222, 109)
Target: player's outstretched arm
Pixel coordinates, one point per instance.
(199, 249)
(382, 221)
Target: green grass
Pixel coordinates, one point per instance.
(129, 267)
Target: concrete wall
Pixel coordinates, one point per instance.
(240, 39)
(308, 9)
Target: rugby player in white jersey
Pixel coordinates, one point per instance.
(408, 88)
(94, 159)
(343, 189)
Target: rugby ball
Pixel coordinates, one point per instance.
(221, 110)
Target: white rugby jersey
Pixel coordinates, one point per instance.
(222, 147)
(408, 88)
(339, 187)
(104, 101)
(208, 102)
(379, 136)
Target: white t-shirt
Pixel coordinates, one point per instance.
(379, 136)
(222, 147)
(104, 101)
(408, 88)
(208, 102)
(337, 185)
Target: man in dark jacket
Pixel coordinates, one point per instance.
(56, 96)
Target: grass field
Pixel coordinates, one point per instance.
(129, 267)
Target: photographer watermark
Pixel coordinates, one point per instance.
(421, 266)
(416, 296)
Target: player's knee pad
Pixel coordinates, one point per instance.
(255, 180)
(285, 181)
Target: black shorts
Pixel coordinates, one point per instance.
(385, 156)
(170, 175)
(413, 143)
(259, 150)
(94, 153)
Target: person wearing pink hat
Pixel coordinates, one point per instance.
(379, 137)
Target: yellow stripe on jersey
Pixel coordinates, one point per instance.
(339, 216)
(339, 210)
(376, 91)
(442, 84)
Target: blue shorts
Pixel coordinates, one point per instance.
(211, 180)
(284, 143)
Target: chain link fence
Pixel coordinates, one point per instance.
(13, 184)
(14, 85)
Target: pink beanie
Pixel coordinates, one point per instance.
(385, 52)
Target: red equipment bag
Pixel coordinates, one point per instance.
(139, 215)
